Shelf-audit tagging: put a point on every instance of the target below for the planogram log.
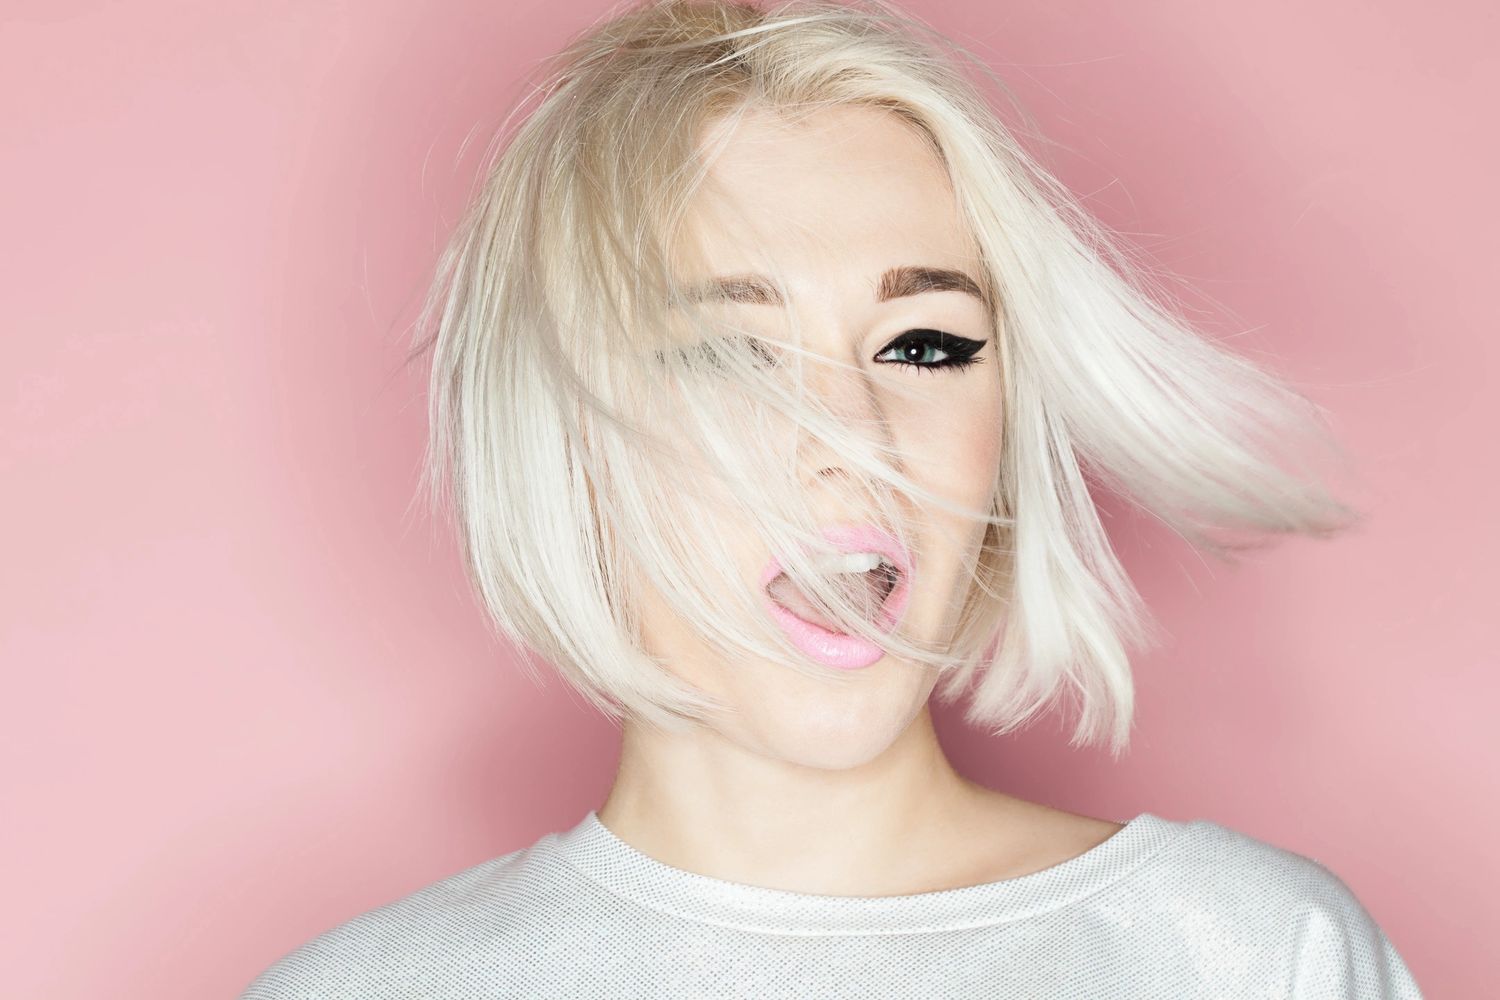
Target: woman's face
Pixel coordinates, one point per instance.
(837, 201)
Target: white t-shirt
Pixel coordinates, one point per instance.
(1162, 909)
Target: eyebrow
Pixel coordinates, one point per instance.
(898, 282)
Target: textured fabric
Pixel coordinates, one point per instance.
(1162, 909)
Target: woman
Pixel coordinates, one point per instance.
(766, 370)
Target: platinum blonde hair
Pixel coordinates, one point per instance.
(587, 413)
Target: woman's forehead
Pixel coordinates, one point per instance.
(850, 189)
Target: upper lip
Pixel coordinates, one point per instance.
(855, 538)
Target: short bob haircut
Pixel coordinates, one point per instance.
(593, 420)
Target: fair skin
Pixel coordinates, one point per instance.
(807, 785)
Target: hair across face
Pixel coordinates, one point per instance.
(676, 330)
(835, 244)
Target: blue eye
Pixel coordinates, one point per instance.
(927, 349)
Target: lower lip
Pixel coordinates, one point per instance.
(835, 649)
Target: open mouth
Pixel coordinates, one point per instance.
(875, 571)
(867, 580)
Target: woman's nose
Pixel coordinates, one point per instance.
(848, 392)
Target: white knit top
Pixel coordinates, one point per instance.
(1163, 908)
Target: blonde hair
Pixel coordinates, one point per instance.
(582, 405)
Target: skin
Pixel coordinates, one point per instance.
(810, 785)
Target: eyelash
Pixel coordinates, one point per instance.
(960, 351)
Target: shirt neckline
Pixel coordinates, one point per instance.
(597, 853)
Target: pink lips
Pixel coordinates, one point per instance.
(835, 649)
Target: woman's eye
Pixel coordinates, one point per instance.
(709, 351)
(763, 354)
(923, 349)
(920, 349)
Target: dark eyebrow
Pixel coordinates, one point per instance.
(910, 280)
(753, 289)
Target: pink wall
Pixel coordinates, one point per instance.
(247, 694)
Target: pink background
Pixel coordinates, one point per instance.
(247, 693)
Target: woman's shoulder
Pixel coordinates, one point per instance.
(1196, 862)
(1223, 860)
(1207, 864)
(1176, 855)
(389, 951)
(1233, 891)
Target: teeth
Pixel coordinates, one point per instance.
(851, 562)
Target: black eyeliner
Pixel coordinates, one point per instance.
(961, 351)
